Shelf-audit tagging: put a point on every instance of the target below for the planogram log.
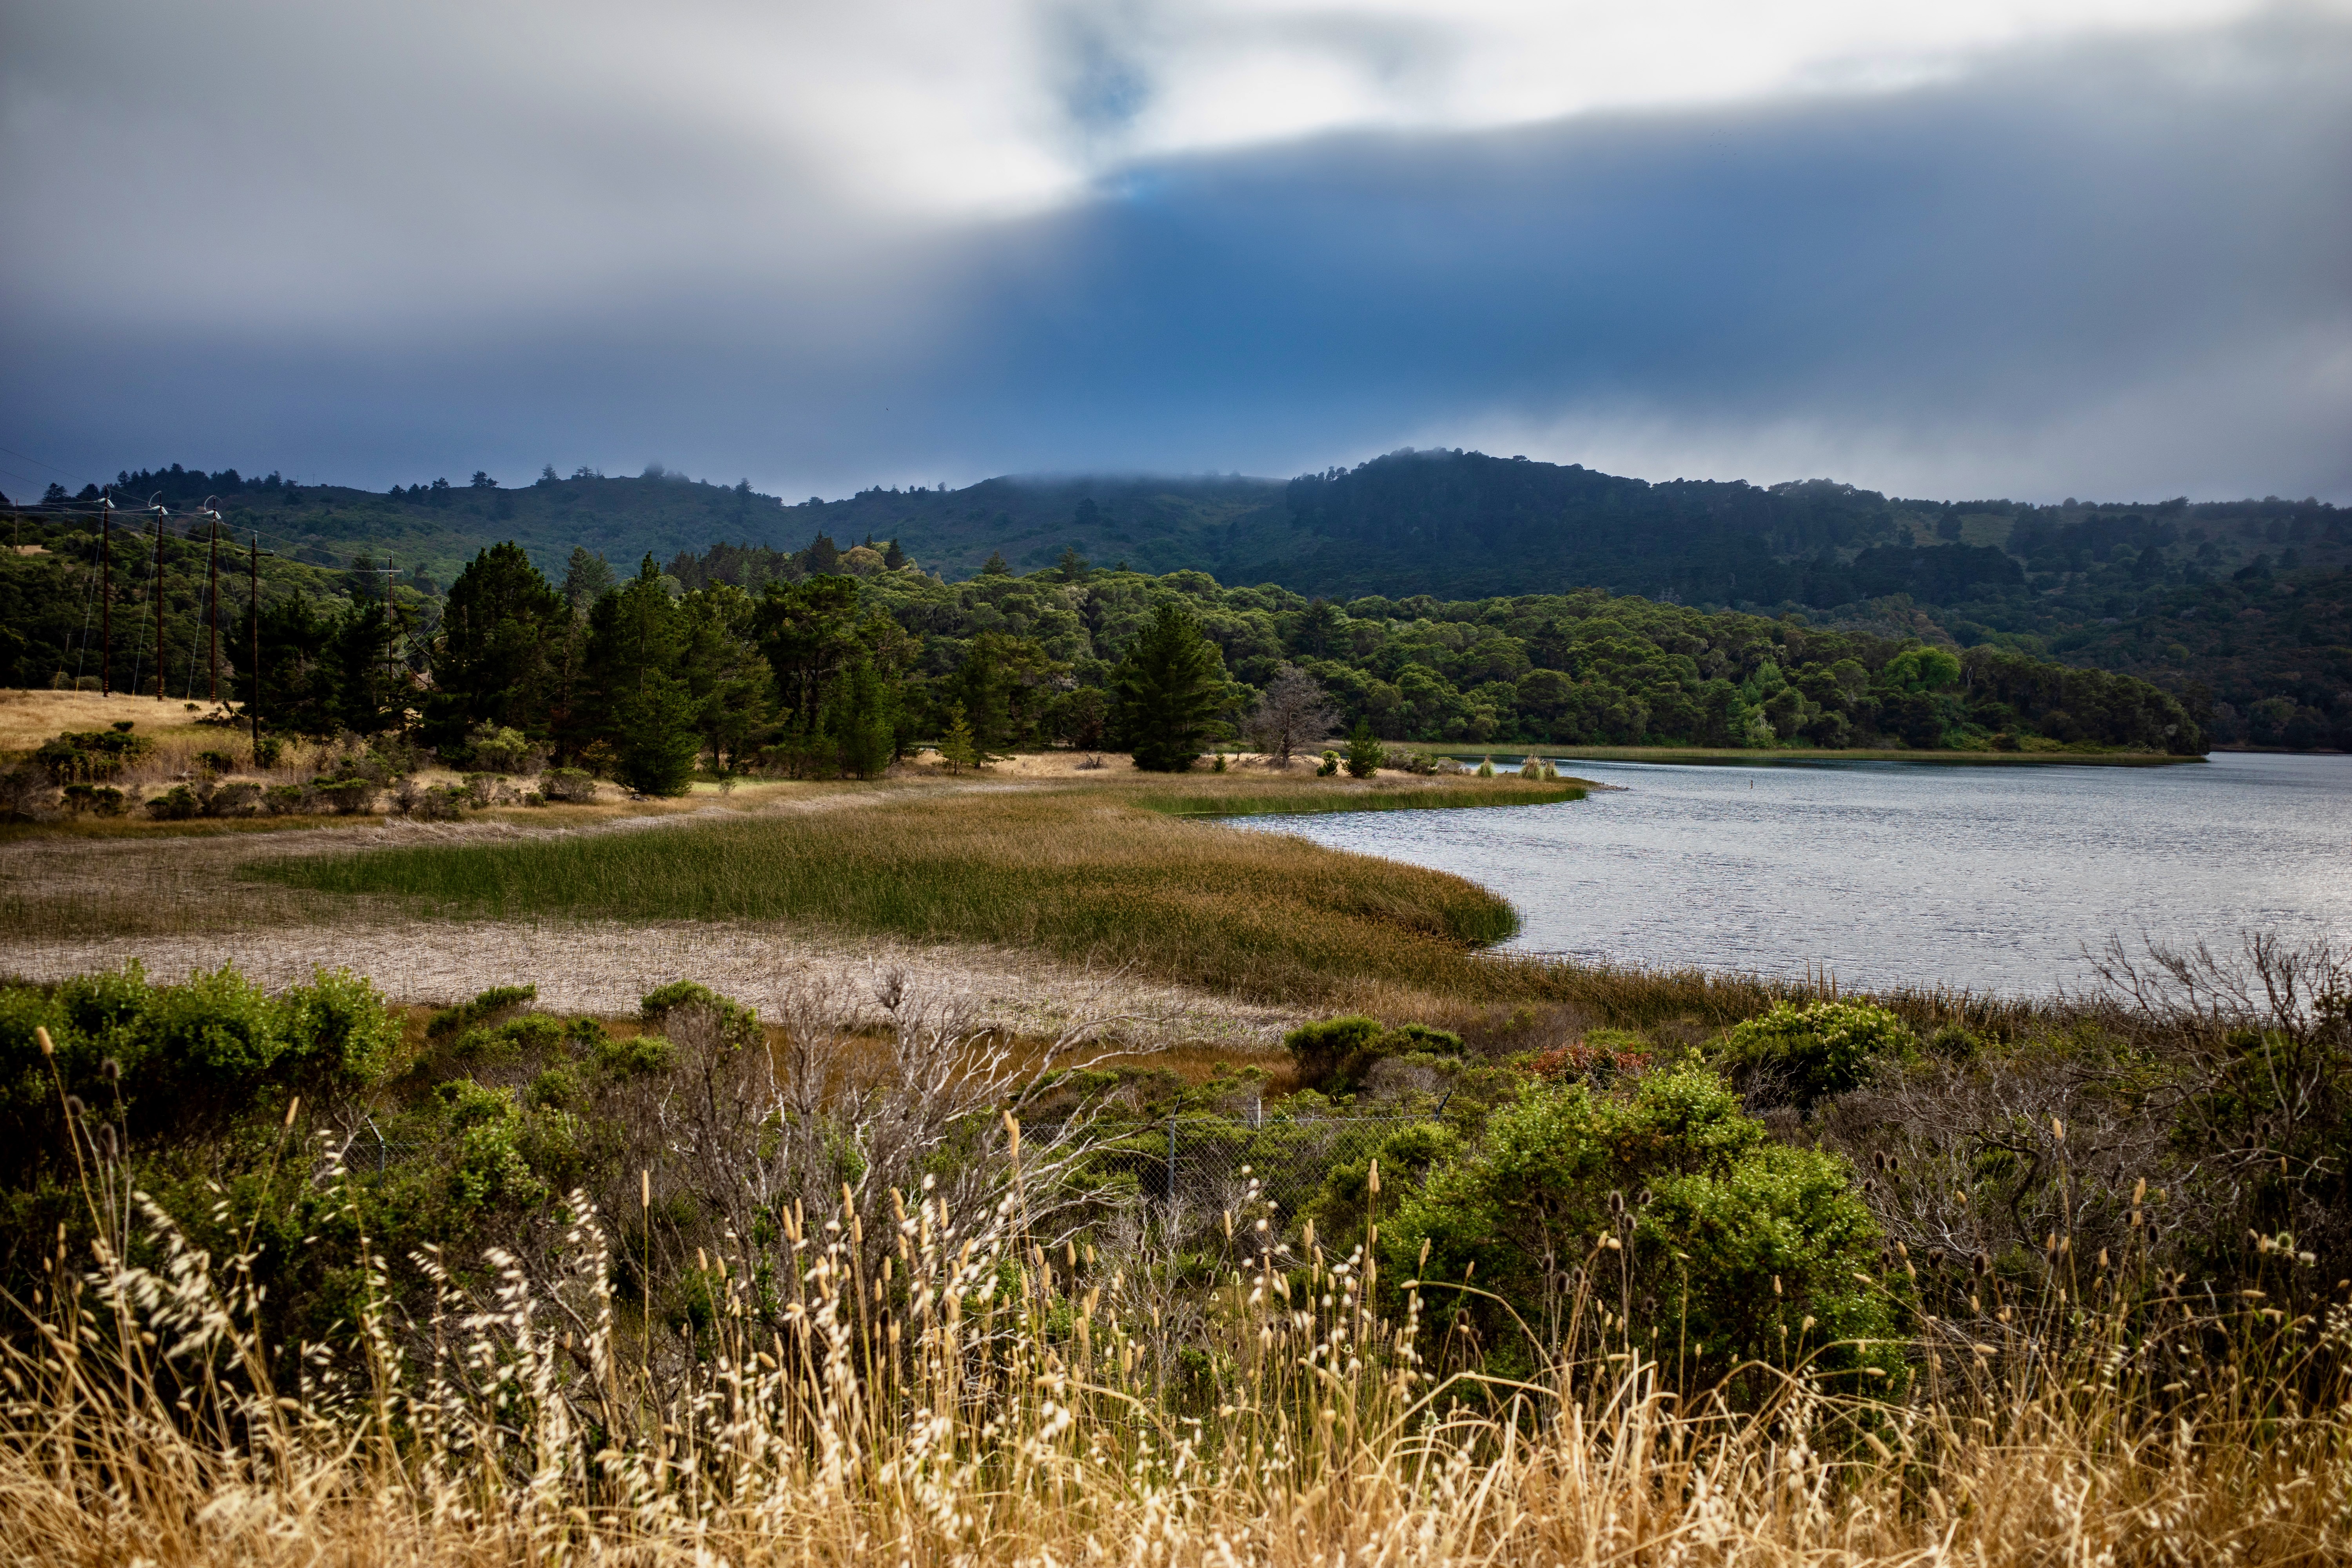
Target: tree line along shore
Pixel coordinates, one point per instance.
(828, 662)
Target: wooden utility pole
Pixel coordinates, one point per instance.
(391, 668)
(253, 690)
(159, 604)
(213, 592)
(105, 594)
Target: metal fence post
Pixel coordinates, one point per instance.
(1172, 1159)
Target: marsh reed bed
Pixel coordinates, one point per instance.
(1081, 874)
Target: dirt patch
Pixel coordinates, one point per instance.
(603, 968)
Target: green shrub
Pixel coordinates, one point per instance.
(737, 1026)
(177, 804)
(1803, 1054)
(1406, 1156)
(1365, 753)
(346, 1029)
(494, 1005)
(175, 1063)
(100, 800)
(1725, 1237)
(636, 1058)
(242, 799)
(570, 785)
(1331, 1050)
(91, 756)
(495, 749)
(1333, 1056)
(1327, 766)
(285, 800)
(346, 797)
(490, 1166)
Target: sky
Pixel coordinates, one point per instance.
(2071, 247)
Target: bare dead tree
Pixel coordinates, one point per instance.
(1292, 712)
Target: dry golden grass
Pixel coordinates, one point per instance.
(955, 1392)
(29, 718)
(1079, 873)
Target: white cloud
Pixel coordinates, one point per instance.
(434, 160)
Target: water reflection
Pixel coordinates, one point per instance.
(1984, 876)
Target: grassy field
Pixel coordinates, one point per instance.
(1107, 874)
(1113, 871)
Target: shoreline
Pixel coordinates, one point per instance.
(1520, 751)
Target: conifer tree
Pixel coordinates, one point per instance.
(957, 750)
(1364, 750)
(1170, 687)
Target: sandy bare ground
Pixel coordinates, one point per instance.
(604, 967)
(175, 906)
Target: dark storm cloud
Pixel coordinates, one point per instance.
(2124, 269)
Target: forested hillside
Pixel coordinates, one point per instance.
(2242, 610)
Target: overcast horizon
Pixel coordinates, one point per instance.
(2078, 248)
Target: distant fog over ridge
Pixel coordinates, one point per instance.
(2104, 253)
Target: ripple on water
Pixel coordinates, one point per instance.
(1992, 877)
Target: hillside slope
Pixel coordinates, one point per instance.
(2243, 610)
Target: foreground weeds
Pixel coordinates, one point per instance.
(964, 1387)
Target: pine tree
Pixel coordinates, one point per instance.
(658, 743)
(862, 720)
(957, 750)
(994, 566)
(1364, 750)
(1170, 687)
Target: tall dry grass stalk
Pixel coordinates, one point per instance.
(946, 1386)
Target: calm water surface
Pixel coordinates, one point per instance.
(1992, 877)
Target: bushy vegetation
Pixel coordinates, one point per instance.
(686, 1282)
(1805, 1053)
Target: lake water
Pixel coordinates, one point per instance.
(1989, 877)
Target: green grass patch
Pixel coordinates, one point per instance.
(1084, 874)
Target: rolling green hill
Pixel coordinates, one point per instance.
(2242, 609)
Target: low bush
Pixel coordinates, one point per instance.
(98, 800)
(1801, 1054)
(175, 1064)
(177, 804)
(494, 1005)
(495, 749)
(92, 756)
(346, 797)
(571, 786)
(1706, 1244)
(1332, 1056)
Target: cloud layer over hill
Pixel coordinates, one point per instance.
(2034, 251)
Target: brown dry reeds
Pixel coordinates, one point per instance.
(953, 1392)
(1079, 873)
